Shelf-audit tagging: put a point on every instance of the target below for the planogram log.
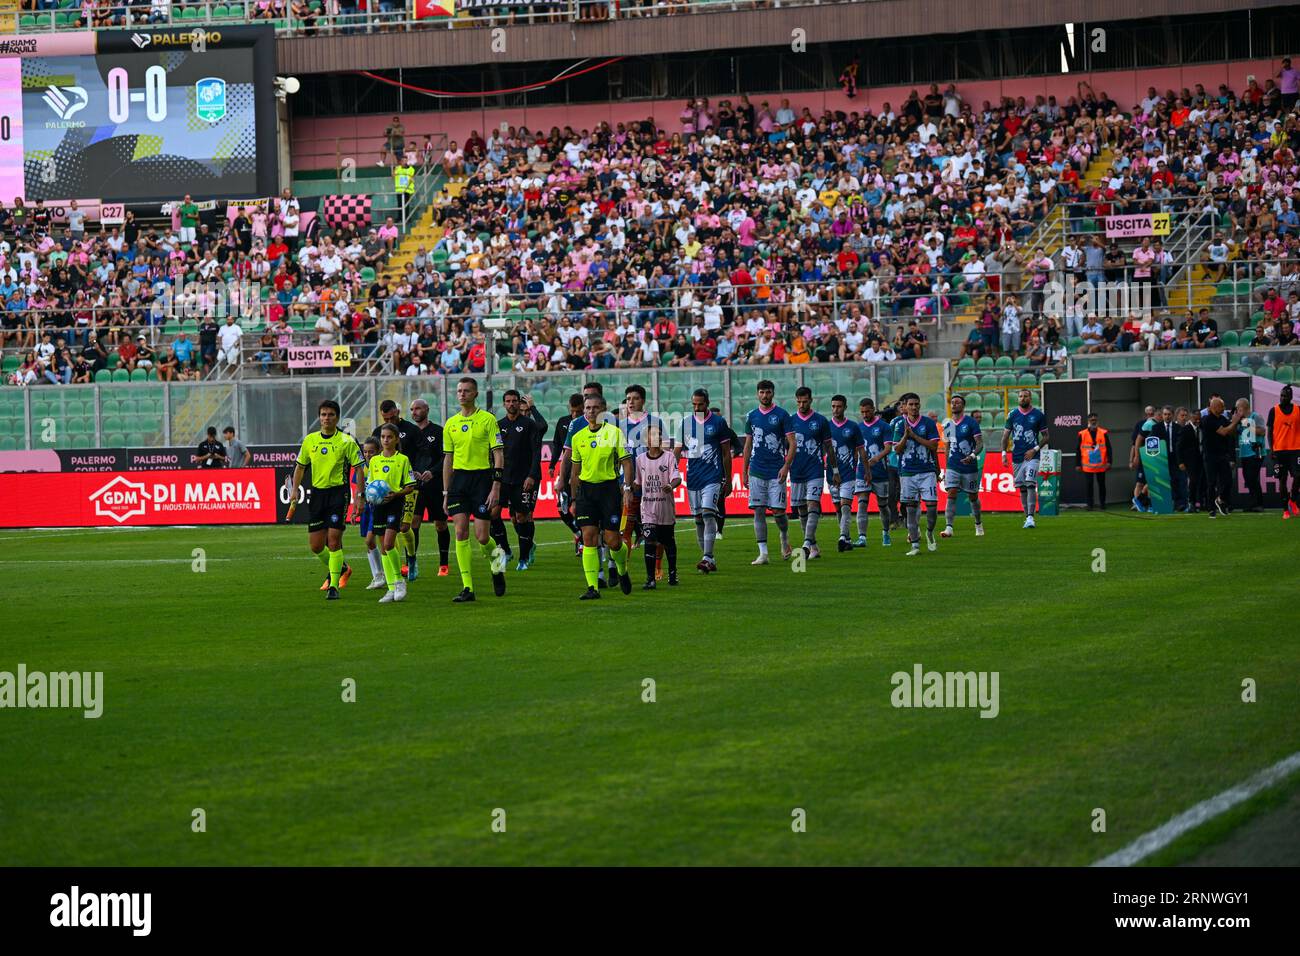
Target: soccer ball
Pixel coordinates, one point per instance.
(377, 491)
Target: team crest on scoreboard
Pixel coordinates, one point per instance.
(210, 99)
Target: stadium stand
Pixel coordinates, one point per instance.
(734, 233)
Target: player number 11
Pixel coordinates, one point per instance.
(154, 95)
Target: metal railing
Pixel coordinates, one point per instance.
(334, 18)
(280, 411)
(354, 157)
(1235, 302)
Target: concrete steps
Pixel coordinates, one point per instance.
(424, 233)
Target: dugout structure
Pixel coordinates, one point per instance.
(1118, 399)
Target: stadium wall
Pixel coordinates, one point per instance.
(1126, 87)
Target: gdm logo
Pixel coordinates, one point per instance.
(120, 499)
(66, 101)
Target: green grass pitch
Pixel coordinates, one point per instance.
(1119, 690)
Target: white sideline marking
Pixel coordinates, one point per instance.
(1206, 810)
(120, 560)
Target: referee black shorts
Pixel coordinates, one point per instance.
(328, 507)
(517, 500)
(428, 502)
(599, 505)
(469, 492)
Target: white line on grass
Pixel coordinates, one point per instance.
(1206, 810)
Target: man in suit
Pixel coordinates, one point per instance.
(1188, 444)
(1166, 428)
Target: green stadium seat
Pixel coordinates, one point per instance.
(25, 22)
(188, 13)
(103, 376)
(974, 401)
(1075, 343)
(1246, 338)
(966, 365)
(1228, 339)
(1285, 373)
(1003, 361)
(83, 441)
(114, 440)
(136, 440)
(1027, 378)
(989, 380)
(984, 363)
(1022, 361)
(144, 375)
(113, 423)
(1265, 372)
(121, 375)
(1047, 377)
(6, 442)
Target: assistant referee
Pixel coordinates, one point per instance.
(331, 454)
(471, 474)
(597, 451)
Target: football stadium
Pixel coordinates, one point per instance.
(796, 434)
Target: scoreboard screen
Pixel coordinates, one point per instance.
(149, 115)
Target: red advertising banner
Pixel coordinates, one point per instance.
(113, 499)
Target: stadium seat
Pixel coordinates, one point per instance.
(143, 375)
(985, 363)
(103, 376)
(121, 375)
(1022, 361)
(1047, 377)
(1285, 373)
(136, 440)
(1003, 361)
(114, 440)
(1246, 338)
(1007, 380)
(1228, 339)
(1074, 344)
(966, 365)
(7, 443)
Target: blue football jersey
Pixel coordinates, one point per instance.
(959, 436)
(915, 458)
(848, 439)
(1024, 428)
(768, 428)
(876, 434)
(703, 442)
(634, 433)
(810, 436)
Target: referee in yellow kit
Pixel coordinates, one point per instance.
(471, 476)
(597, 452)
(331, 454)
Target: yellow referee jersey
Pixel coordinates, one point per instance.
(470, 440)
(598, 453)
(329, 458)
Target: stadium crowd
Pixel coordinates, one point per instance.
(753, 233)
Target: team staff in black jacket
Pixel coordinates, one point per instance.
(522, 439)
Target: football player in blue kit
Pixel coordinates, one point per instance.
(962, 471)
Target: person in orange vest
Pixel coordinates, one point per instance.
(1284, 440)
(1094, 457)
